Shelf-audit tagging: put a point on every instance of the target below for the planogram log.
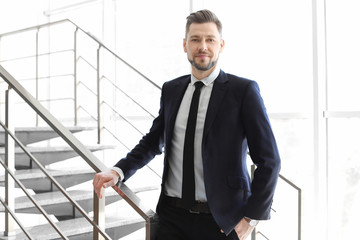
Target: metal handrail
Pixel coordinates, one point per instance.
(146, 213)
(15, 218)
(124, 118)
(43, 212)
(38, 27)
(298, 189)
(36, 55)
(127, 95)
(36, 30)
(53, 181)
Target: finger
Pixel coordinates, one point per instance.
(98, 192)
(107, 184)
(95, 180)
(97, 187)
(99, 195)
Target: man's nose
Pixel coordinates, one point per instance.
(203, 46)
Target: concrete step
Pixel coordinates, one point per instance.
(57, 204)
(36, 180)
(80, 229)
(28, 135)
(46, 155)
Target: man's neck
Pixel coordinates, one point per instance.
(202, 74)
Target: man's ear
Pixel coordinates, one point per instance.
(184, 45)
(222, 45)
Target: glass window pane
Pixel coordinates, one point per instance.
(150, 37)
(344, 178)
(343, 47)
(270, 42)
(295, 142)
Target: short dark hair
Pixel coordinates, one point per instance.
(203, 16)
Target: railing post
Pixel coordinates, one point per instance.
(299, 213)
(37, 72)
(99, 214)
(10, 163)
(99, 98)
(254, 232)
(75, 79)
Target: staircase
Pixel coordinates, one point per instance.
(54, 202)
(91, 92)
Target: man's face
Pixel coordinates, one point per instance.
(203, 44)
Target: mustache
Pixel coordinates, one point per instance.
(202, 52)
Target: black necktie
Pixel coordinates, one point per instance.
(188, 184)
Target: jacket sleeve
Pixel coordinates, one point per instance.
(263, 152)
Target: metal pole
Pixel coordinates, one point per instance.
(320, 205)
(99, 214)
(99, 115)
(253, 234)
(37, 72)
(148, 230)
(299, 214)
(75, 79)
(10, 163)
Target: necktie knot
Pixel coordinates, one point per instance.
(198, 85)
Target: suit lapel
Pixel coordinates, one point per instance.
(176, 94)
(217, 95)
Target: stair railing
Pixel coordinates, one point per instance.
(13, 215)
(299, 206)
(51, 178)
(96, 93)
(97, 67)
(99, 204)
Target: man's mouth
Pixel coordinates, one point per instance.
(202, 56)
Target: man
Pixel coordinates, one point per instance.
(231, 118)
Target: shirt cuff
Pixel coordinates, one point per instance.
(119, 171)
(252, 222)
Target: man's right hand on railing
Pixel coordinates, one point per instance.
(104, 180)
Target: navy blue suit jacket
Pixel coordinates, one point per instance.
(236, 121)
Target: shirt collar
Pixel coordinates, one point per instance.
(208, 80)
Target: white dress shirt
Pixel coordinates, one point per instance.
(173, 185)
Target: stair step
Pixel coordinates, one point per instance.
(28, 135)
(36, 180)
(80, 229)
(47, 155)
(57, 204)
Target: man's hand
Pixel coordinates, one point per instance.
(104, 180)
(243, 229)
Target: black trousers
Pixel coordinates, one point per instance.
(179, 224)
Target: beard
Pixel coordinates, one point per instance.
(201, 66)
